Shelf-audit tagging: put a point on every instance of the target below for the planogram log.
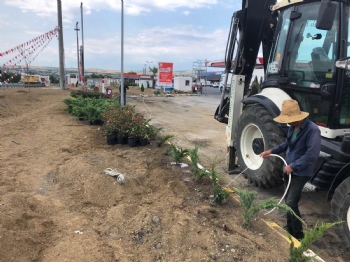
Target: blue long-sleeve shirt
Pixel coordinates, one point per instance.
(302, 153)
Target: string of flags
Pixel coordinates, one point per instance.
(37, 42)
(40, 38)
(25, 53)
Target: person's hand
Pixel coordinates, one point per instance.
(288, 170)
(266, 154)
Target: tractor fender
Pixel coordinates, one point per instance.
(343, 174)
(271, 98)
(265, 102)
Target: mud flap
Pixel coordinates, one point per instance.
(221, 117)
(231, 160)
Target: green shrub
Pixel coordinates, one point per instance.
(219, 194)
(177, 153)
(249, 209)
(84, 94)
(89, 109)
(296, 253)
(142, 88)
(118, 120)
(154, 131)
(198, 173)
(157, 92)
(163, 139)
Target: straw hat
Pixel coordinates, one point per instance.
(290, 112)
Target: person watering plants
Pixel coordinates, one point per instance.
(302, 147)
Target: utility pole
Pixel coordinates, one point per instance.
(60, 44)
(122, 91)
(77, 29)
(82, 46)
(149, 67)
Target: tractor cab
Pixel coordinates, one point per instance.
(303, 60)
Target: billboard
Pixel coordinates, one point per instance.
(165, 73)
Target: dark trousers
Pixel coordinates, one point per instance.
(294, 226)
(120, 99)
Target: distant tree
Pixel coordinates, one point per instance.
(7, 76)
(53, 79)
(154, 71)
(132, 73)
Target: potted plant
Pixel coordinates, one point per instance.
(109, 131)
(124, 124)
(136, 127)
(110, 117)
(144, 133)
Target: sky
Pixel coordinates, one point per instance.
(177, 31)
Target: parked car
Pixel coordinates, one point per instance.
(215, 84)
(205, 83)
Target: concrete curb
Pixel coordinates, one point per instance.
(168, 95)
(280, 231)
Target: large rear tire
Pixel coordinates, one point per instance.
(340, 211)
(256, 132)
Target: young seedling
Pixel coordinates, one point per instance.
(198, 173)
(163, 139)
(154, 131)
(219, 194)
(249, 209)
(177, 153)
(296, 253)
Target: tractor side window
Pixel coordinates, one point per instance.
(277, 51)
(310, 62)
(312, 54)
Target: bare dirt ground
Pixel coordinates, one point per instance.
(57, 205)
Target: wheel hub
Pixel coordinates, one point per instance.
(258, 146)
(252, 144)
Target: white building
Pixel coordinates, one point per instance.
(183, 83)
(147, 81)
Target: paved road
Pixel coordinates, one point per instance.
(212, 92)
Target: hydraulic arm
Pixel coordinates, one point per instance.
(251, 28)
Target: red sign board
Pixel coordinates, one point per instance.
(165, 73)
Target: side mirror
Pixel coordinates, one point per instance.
(343, 63)
(326, 16)
(327, 90)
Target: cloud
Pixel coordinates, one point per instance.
(46, 8)
(182, 43)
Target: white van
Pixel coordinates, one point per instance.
(205, 83)
(257, 72)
